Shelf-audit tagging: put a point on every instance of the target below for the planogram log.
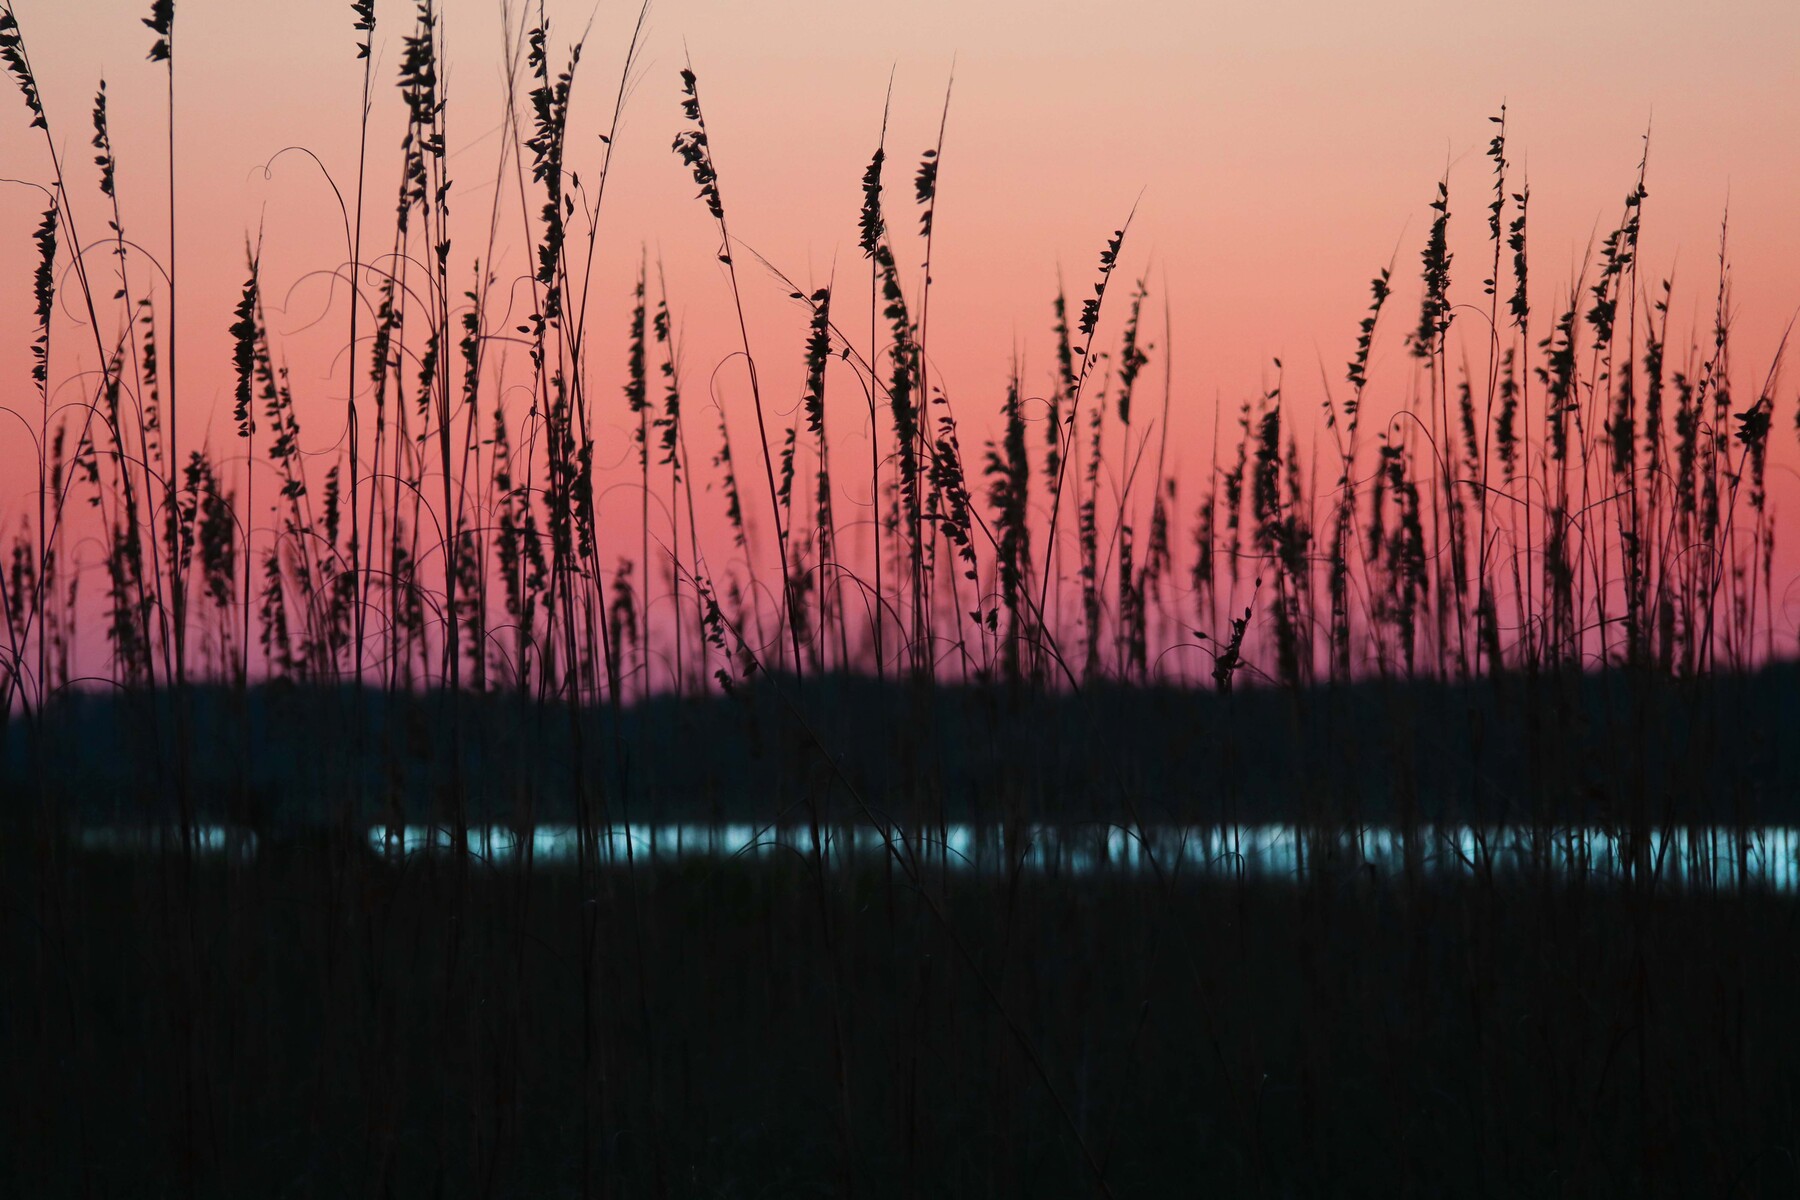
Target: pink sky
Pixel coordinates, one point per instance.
(1283, 152)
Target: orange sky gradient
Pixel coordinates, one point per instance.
(1278, 154)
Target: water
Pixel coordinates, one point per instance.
(1764, 858)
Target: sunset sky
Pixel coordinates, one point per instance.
(1279, 155)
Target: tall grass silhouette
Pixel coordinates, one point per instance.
(1566, 514)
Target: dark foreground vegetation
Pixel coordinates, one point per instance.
(309, 1017)
(323, 1024)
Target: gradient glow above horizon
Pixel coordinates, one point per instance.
(1278, 156)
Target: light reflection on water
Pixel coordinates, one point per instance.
(1707, 856)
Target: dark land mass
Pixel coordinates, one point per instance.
(316, 1020)
(337, 1027)
(1617, 747)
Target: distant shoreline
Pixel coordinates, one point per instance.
(1603, 748)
